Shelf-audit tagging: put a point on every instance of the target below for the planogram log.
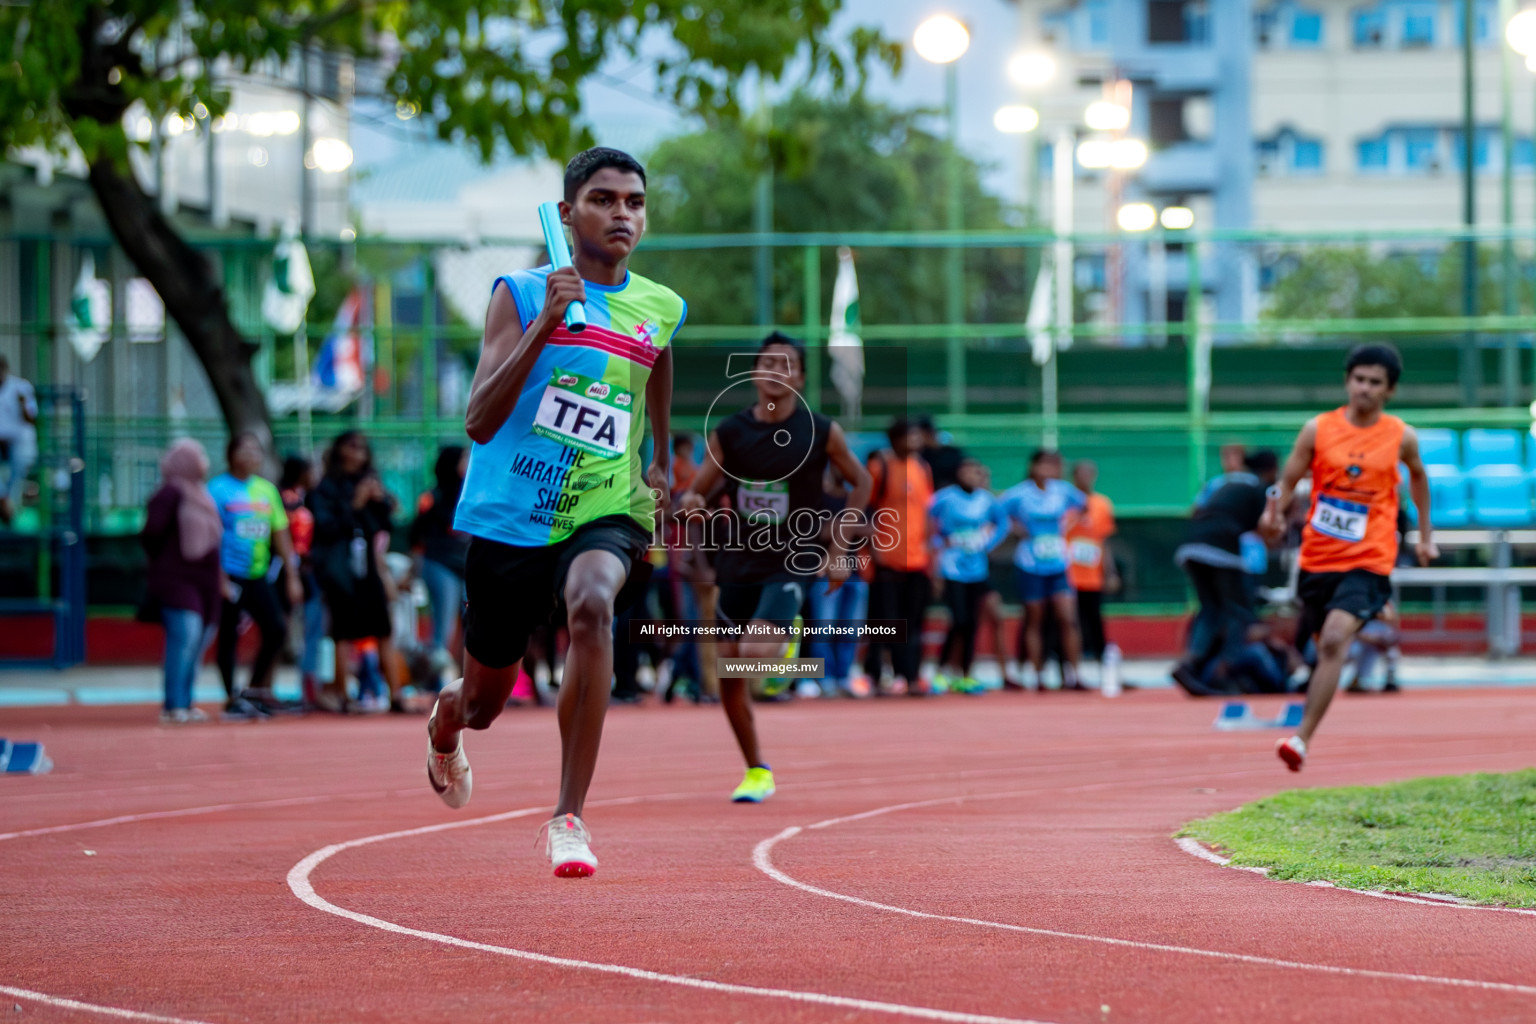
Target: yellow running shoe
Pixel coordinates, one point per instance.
(756, 786)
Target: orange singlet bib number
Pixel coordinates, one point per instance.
(1352, 523)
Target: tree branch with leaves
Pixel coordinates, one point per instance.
(489, 74)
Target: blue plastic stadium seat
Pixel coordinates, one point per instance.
(1500, 496)
(1439, 447)
(1448, 499)
(1482, 447)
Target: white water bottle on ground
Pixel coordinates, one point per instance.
(1110, 686)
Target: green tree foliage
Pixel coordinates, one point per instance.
(839, 164)
(488, 73)
(1357, 282)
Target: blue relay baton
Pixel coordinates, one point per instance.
(560, 256)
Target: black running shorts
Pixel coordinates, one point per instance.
(511, 591)
(1359, 592)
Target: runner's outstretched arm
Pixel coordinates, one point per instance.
(658, 400)
(1297, 464)
(1426, 550)
(705, 479)
(509, 352)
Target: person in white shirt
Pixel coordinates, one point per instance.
(18, 439)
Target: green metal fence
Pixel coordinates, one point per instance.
(1149, 398)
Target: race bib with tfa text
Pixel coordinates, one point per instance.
(1048, 548)
(584, 413)
(764, 501)
(1340, 519)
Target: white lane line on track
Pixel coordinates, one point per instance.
(75, 1004)
(299, 882)
(1194, 848)
(762, 859)
(126, 819)
(123, 819)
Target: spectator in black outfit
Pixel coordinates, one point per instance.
(443, 549)
(350, 509)
(1211, 557)
(943, 459)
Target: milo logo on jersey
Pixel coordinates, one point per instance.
(584, 413)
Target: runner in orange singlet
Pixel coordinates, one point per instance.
(1349, 544)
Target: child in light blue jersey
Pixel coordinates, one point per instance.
(1036, 507)
(967, 523)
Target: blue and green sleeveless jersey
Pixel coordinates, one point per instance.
(570, 451)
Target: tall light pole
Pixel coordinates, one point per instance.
(1471, 366)
(1030, 70)
(1509, 361)
(942, 39)
(1520, 33)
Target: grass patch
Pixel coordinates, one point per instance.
(1472, 836)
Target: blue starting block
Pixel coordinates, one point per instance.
(23, 758)
(1238, 714)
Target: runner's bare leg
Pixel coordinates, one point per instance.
(734, 695)
(591, 586)
(473, 702)
(1338, 632)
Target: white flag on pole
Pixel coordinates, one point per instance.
(843, 341)
(291, 286)
(1038, 320)
(90, 310)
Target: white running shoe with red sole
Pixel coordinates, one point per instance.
(1293, 752)
(449, 774)
(568, 843)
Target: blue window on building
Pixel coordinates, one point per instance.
(1418, 27)
(1306, 154)
(1098, 22)
(1306, 28)
(1373, 154)
(1524, 152)
(1420, 148)
(1485, 16)
(1082, 26)
(1197, 22)
(1482, 148)
(1370, 29)
(1288, 24)
(1288, 152)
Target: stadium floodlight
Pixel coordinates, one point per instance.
(1031, 70)
(941, 39)
(332, 156)
(1136, 217)
(1520, 33)
(1104, 116)
(1178, 218)
(1095, 154)
(1016, 119)
(1127, 154)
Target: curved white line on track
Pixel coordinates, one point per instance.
(75, 1004)
(762, 859)
(1195, 848)
(299, 882)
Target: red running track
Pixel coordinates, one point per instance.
(1035, 879)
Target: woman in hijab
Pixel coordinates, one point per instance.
(181, 536)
